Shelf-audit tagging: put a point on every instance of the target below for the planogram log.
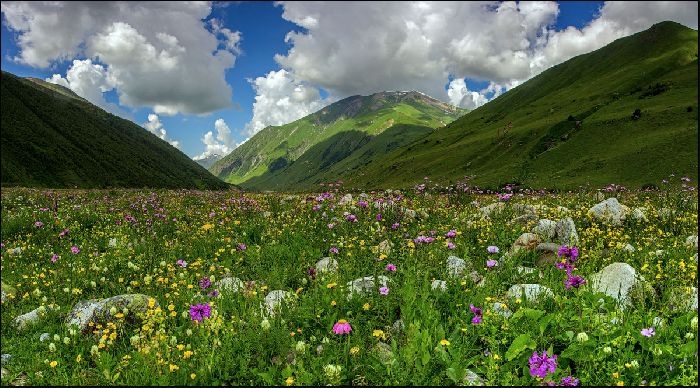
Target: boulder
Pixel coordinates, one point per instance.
(621, 282)
(471, 379)
(546, 229)
(531, 292)
(639, 214)
(25, 320)
(609, 211)
(692, 242)
(229, 284)
(274, 300)
(493, 208)
(327, 264)
(366, 284)
(100, 311)
(629, 248)
(526, 241)
(455, 266)
(524, 219)
(565, 230)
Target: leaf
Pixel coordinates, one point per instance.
(544, 322)
(425, 358)
(522, 342)
(528, 313)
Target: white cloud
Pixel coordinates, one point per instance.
(222, 145)
(156, 54)
(281, 99)
(154, 126)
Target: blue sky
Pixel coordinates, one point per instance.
(326, 36)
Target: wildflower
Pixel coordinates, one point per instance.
(79, 358)
(342, 327)
(334, 250)
(193, 376)
(311, 272)
(354, 350)
(173, 367)
(366, 306)
(582, 337)
(242, 247)
(182, 263)
(478, 314)
(541, 365)
(395, 226)
(569, 381)
(491, 263)
(444, 342)
(384, 291)
(213, 294)
(492, 249)
(54, 258)
(451, 233)
(351, 218)
(379, 217)
(199, 312)
(53, 364)
(331, 285)
(38, 224)
(52, 347)
(75, 250)
(378, 333)
(694, 323)
(648, 332)
(450, 245)
(289, 381)
(390, 267)
(204, 283)
(574, 281)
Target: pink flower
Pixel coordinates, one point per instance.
(492, 249)
(54, 258)
(384, 291)
(182, 263)
(648, 332)
(75, 250)
(491, 263)
(342, 327)
(390, 267)
(450, 245)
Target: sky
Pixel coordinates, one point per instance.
(206, 76)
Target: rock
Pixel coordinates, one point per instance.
(409, 213)
(565, 231)
(692, 242)
(112, 242)
(347, 198)
(44, 337)
(501, 309)
(471, 379)
(5, 358)
(629, 248)
(527, 241)
(32, 317)
(609, 211)
(619, 281)
(521, 208)
(229, 284)
(384, 352)
(439, 284)
(397, 327)
(530, 292)
(524, 219)
(493, 208)
(7, 292)
(4, 373)
(639, 214)
(366, 284)
(687, 300)
(327, 264)
(274, 299)
(99, 311)
(546, 229)
(476, 278)
(385, 247)
(525, 270)
(455, 266)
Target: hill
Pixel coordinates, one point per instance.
(53, 138)
(572, 125)
(272, 159)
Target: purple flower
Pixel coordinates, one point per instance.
(334, 250)
(492, 249)
(648, 332)
(540, 366)
(390, 267)
(574, 281)
(362, 204)
(204, 283)
(379, 217)
(570, 252)
(311, 272)
(342, 327)
(351, 218)
(384, 291)
(242, 247)
(450, 245)
(182, 263)
(200, 311)
(64, 233)
(451, 233)
(214, 293)
(331, 225)
(54, 258)
(491, 263)
(395, 226)
(38, 224)
(478, 314)
(569, 381)
(75, 250)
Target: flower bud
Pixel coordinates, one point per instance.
(265, 324)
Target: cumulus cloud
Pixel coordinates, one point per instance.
(156, 54)
(282, 99)
(361, 48)
(154, 126)
(222, 145)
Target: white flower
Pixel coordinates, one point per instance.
(265, 324)
(582, 337)
(607, 350)
(56, 337)
(300, 347)
(52, 347)
(66, 340)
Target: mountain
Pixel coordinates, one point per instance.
(209, 160)
(51, 137)
(626, 113)
(272, 159)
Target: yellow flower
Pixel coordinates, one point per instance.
(180, 347)
(206, 227)
(193, 376)
(620, 383)
(151, 302)
(187, 354)
(289, 381)
(444, 342)
(496, 357)
(378, 333)
(354, 350)
(53, 364)
(79, 358)
(333, 303)
(366, 306)
(173, 367)
(331, 285)
(616, 375)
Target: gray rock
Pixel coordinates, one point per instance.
(476, 278)
(229, 284)
(639, 214)
(619, 281)
(501, 310)
(25, 320)
(548, 247)
(566, 231)
(100, 311)
(525, 270)
(385, 247)
(274, 300)
(327, 264)
(44, 337)
(524, 219)
(439, 285)
(546, 229)
(629, 248)
(531, 292)
(493, 208)
(471, 379)
(366, 284)
(112, 242)
(609, 211)
(5, 358)
(398, 327)
(526, 241)
(692, 242)
(455, 266)
(347, 198)
(521, 208)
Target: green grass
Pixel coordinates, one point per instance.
(53, 138)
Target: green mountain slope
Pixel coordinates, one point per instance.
(271, 156)
(53, 138)
(571, 125)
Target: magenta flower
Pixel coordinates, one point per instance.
(342, 327)
(331, 225)
(395, 226)
(492, 249)
(75, 250)
(64, 232)
(200, 311)
(478, 314)
(38, 224)
(54, 258)
(540, 366)
(451, 233)
(450, 245)
(384, 291)
(379, 217)
(491, 263)
(311, 273)
(569, 381)
(351, 218)
(182, 263)
(390, 267)
(242, 247)
(574, 281)
(334, 250)
(648, 332)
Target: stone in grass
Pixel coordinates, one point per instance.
(384, 351)
(639, 214)
(347, 198)
(526, 241)
(685, 300)
(44, 337)
(397, 327)
(531, 292)
(439, 285)
(455, 266)
(471, 379)
(366, 284)
(546, 229)
(5, 358)
(100, 311)
(547, 254)
(25, 320)
(629, 248)
(229, 284)
(486, 211)
(274, 300)
(566, 231)
(524, 219)
(7, 292)
(327, 264)
(501, 309)
(621, 282)
(609, 211)
(692, 242)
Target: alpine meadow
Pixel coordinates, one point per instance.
(349, 193)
